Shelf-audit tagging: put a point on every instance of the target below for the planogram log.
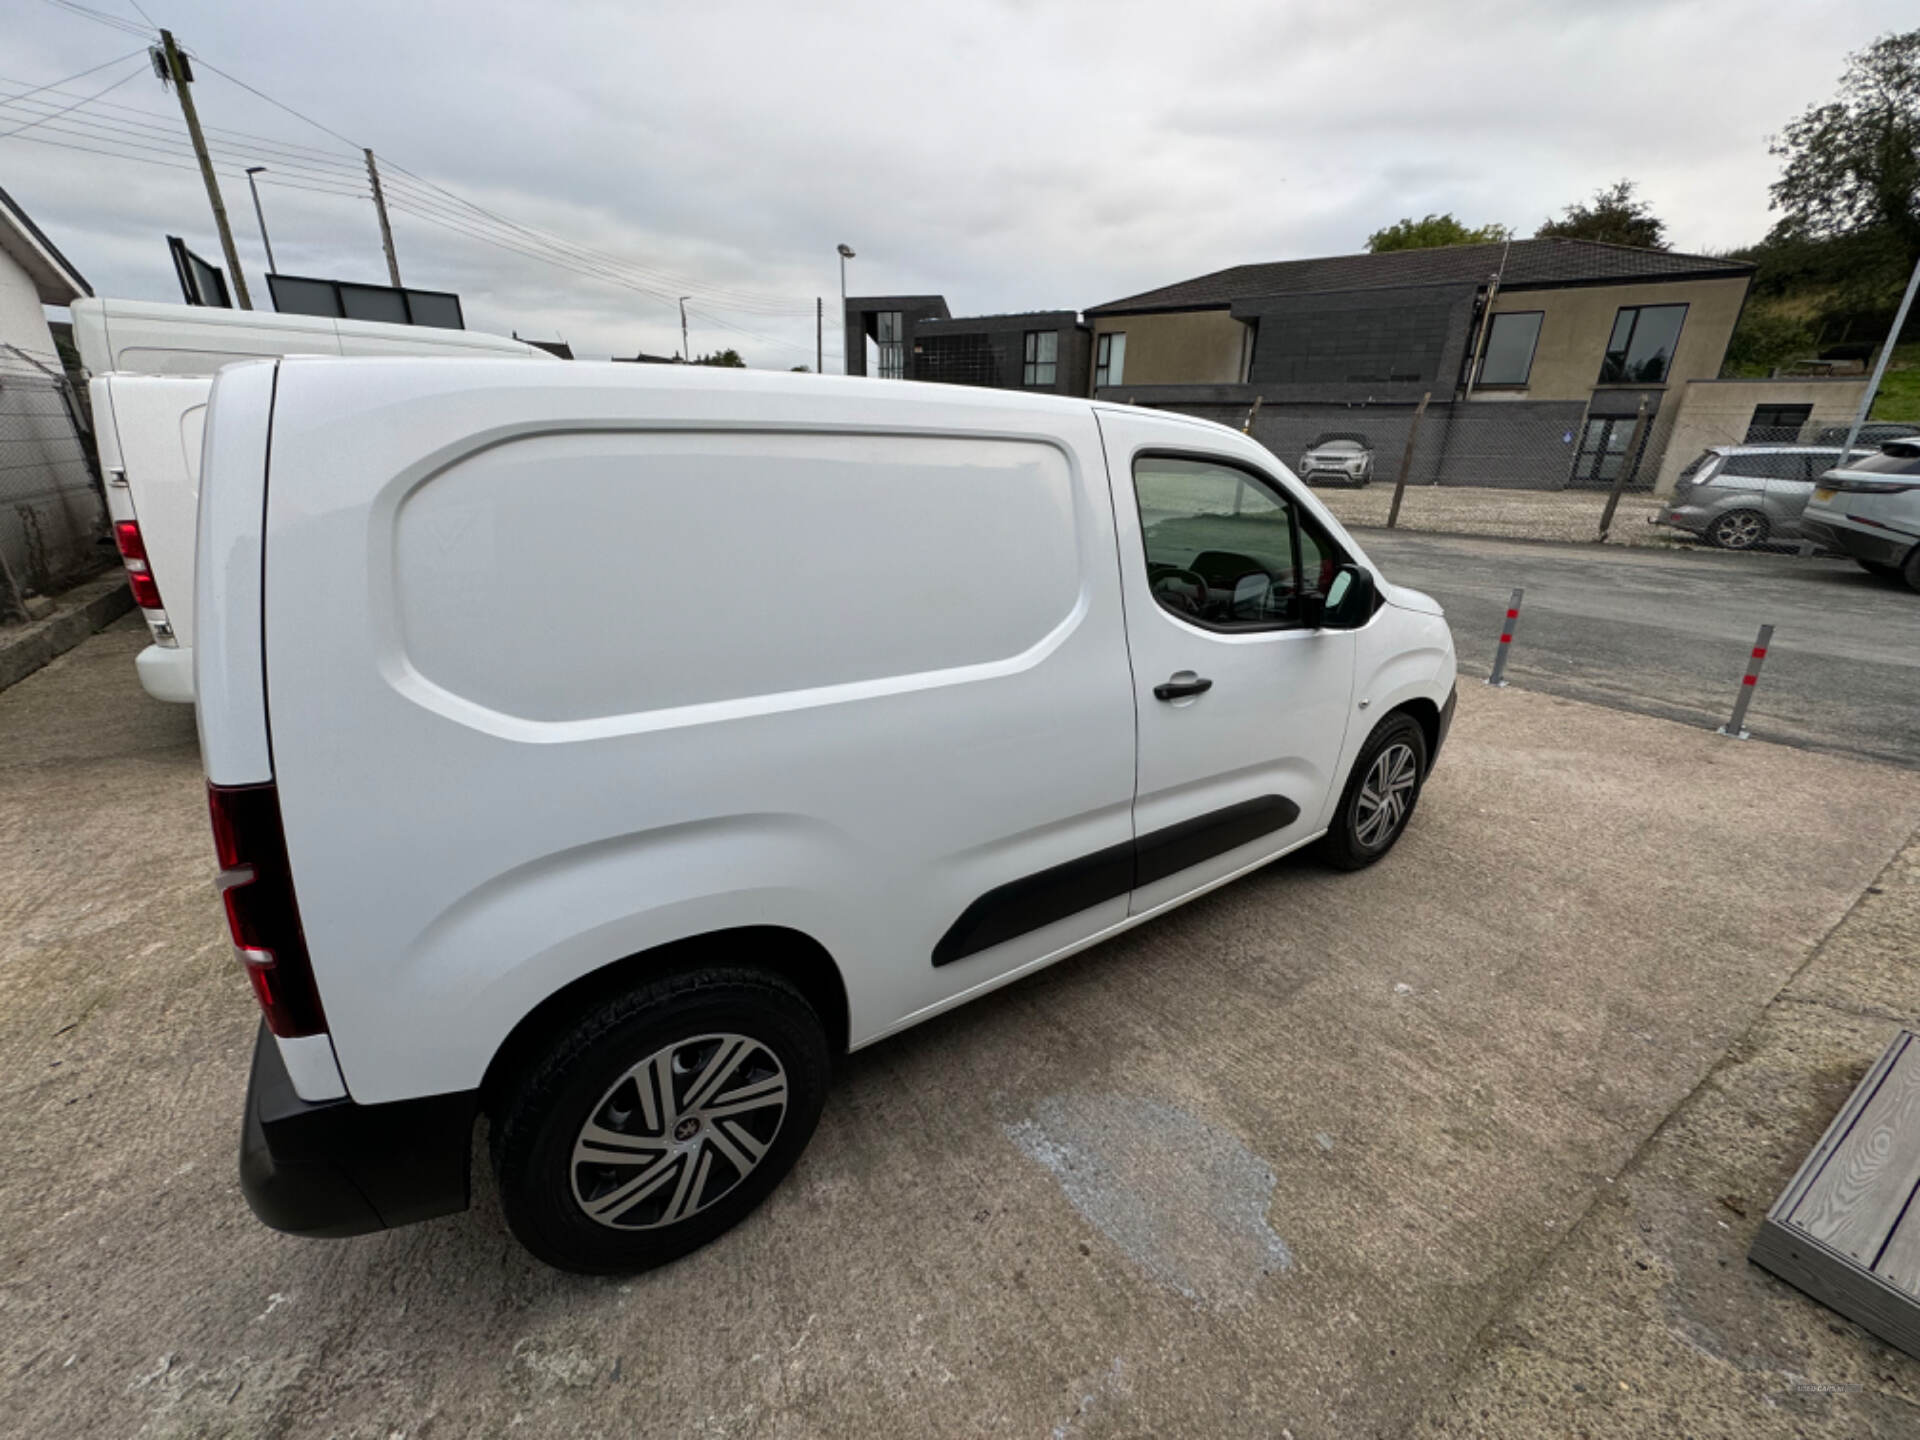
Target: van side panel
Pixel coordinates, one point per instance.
(568, 662)
(228, 660)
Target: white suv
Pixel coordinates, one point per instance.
(1870, 509)
(609, 747)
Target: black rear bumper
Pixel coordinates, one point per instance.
(336, 1168)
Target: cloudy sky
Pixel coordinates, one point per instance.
(1009, 154)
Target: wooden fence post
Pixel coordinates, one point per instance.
(1629, 463)
(1406, 461)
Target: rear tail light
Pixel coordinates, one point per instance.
(256, 885)
(133, 551)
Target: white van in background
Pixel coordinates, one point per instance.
(644, 737)
(152, 366)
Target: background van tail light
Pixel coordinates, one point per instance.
(256, 886)
(133, 551)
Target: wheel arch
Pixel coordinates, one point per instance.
(791, 954)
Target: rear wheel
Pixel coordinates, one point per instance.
(1738, 530)
(650, 1127)
(1910, 571)
(1380, 795)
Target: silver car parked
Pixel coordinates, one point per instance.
(1342, 459)
(1741, 496)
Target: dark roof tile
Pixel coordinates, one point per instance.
(1528, 263)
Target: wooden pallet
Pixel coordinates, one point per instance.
(1847, 1230)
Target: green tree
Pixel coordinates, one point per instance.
(1435, 230)
(1616, 216)
(728, 359)
(1854, 163)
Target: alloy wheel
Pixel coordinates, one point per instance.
(1386, 796)
(678, 1131)
(1741, 530)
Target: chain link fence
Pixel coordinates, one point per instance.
(53, 518)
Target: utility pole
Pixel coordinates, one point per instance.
(386, 230)
(819, 335)
(178, 73)
(686, 353)
(846, 359)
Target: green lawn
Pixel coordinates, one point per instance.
(1899, 397)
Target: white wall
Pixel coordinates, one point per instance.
(22, 322)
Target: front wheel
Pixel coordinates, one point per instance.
(653, 1125)
(1380, 795)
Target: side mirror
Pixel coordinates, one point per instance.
(1348, 603)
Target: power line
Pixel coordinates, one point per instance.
(56, 84)
(5, 134)
(100, 17)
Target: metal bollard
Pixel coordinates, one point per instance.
(1736, 727)
(1499, 675)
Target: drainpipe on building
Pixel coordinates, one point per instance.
(1486, 319)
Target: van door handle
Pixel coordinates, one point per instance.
(1180, 685)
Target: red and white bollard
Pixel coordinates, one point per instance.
(1736, 727)
(1499, 675)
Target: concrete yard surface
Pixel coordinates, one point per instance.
(1319, 1155)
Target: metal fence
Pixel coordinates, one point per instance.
(53, 518)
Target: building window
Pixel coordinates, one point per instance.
(1043, 349)
(1508, 358)
(889, 334)
(1777, 423)
(1110, 361)
(1640, 351)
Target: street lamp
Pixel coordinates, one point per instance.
(259, 214)
(686, 354)
(846, 254)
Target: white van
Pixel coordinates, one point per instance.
(643, 738)
(152, 366)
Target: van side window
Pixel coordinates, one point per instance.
(1223, 547)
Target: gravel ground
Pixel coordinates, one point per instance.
(1504, 514)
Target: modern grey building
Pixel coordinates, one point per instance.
(915, 338)
(1538, 355)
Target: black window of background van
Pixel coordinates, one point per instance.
(1640, 350)
(1508, 358)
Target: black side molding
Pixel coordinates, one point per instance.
(1024, 905)
(333, 1168)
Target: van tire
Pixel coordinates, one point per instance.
(1347, 845)
(585, 1073)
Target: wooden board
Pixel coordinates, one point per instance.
(1847, 1229)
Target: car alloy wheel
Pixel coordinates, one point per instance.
(1386, 796)
(678, 1131)
(1739, 530)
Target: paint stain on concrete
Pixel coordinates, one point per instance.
(1185, 1200)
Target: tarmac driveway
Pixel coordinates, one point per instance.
(1266, 1166)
